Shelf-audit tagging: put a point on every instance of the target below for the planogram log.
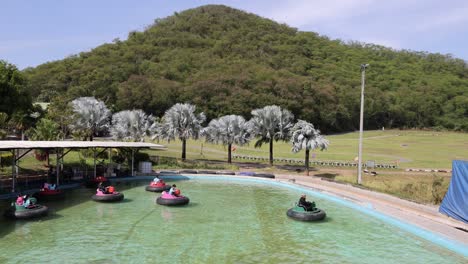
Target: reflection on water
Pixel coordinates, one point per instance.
(225, 222)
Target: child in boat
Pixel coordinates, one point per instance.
(308, 206)
(101, 188)
(20, 200)
(174, 191)
(49, 186)
(29, 202)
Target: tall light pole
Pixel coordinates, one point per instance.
(361, 122)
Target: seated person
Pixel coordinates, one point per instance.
(49, 186)
(102, 188)
(19, 200)
(308, 206)
(156, 180)
(174, 191)
(29, 202)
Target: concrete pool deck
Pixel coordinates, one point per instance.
(426, 217)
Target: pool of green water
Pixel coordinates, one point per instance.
(226, 222)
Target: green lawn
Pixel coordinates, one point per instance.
(406, 148)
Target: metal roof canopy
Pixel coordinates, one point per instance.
(14, 145)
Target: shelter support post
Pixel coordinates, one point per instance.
(133, 158)
(94, 160)
(60, 162)
(13, 171)
(57, 167)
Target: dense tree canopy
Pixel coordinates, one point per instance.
(227, 61)
(16, 107)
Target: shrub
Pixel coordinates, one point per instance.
(439, 188)
(6, 159)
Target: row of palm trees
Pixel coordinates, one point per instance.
(268, 124)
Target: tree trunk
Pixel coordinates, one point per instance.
(307, 161)
(229, 153)
(271, 151)
(184, 146)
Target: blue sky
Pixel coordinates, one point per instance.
(34, 32)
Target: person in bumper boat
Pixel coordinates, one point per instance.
(174, 191)
(308, 206)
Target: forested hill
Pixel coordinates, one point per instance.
(227, 61)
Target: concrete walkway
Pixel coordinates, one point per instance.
(426, 217)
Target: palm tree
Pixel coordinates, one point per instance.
(20, 121)
(46, 130)
(180, 122)
(270, 123)
(305, 136)
(90, 116)
(230, 129)
(3, 124)
(132, 125)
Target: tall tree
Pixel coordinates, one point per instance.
(60, 110)
(230, 129)
(13, 96)
(305, 136)
(3, 125)
(90, 116)
(181, 122)
(132, 125)
(271, 123)
(46, 130)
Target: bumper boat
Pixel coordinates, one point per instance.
(110, 196)
(169, 199)
(157, 187)
(299, 213)
(17, 211)
(93, 183)
(50, 195)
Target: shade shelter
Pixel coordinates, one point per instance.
(62, 148)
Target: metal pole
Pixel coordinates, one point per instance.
(57, 168)
(361, 122)
(13, 171)
(94, 160)
(133, 155)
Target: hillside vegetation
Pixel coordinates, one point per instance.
(227, 61)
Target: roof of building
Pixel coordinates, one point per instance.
(14, 144)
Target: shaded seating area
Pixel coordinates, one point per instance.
(16, 182)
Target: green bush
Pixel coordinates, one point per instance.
(6, 159)
(439, 188)
(88, 153)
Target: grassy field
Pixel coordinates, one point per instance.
(405, 148)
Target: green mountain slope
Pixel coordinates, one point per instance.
(227, 61)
